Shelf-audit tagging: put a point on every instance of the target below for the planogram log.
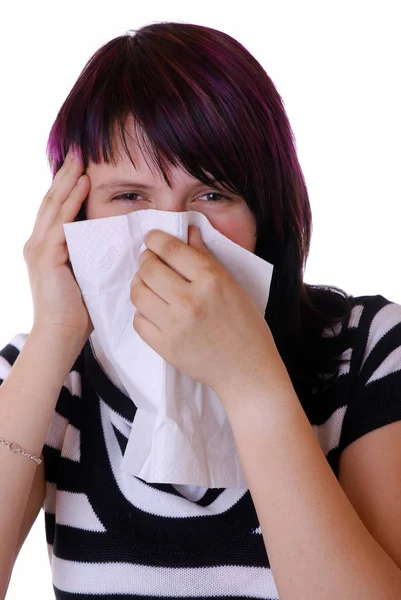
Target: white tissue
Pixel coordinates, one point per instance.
(180, 433)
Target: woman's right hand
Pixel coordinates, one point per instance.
(57, 300)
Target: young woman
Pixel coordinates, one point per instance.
(180, 117)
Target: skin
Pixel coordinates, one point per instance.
(199, 319)
(232, 217)
(184, 305)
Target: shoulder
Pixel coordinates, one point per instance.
(374, 310)
(373, 323)
(376, 322)
(365, 311)
(364, 392)
(374, 388)
(369, 468)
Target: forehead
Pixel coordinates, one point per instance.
(134, 157)
(140, 170)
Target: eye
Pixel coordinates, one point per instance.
(129, 197)
(218, 197)
(126, 197)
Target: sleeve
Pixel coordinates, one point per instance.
(375, 370)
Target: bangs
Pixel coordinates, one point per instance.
(170, 94)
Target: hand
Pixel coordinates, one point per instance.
(195, 315)
(57, 300)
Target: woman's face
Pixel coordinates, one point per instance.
(118, 190)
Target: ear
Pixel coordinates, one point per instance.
(195, 240)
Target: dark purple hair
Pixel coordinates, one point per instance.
(200, 100)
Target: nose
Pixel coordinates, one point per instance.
(171, 203)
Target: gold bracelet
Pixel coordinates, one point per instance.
(15, 448)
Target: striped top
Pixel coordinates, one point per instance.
(112, 535)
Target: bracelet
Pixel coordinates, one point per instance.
(15, 448)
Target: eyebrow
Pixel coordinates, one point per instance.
(122, 183)
(129, 183)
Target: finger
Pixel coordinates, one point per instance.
(68, 162)
(66, 212)
(161, 279)
(184, 259)
(195, 240)
(72, 205)
(149, 304)
(65, 179)
(55, 235)
(62, 185)
(149, 332)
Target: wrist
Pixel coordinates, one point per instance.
(259, 389)
(60, 346)
(59, 336)
(250, 373)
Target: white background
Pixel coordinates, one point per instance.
(337, 67)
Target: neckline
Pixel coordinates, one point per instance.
(209, 526)
(102, 384)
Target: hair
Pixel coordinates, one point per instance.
(198, 99)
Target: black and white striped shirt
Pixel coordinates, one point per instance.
(111, 535)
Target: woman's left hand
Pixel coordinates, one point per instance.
(195, 315)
